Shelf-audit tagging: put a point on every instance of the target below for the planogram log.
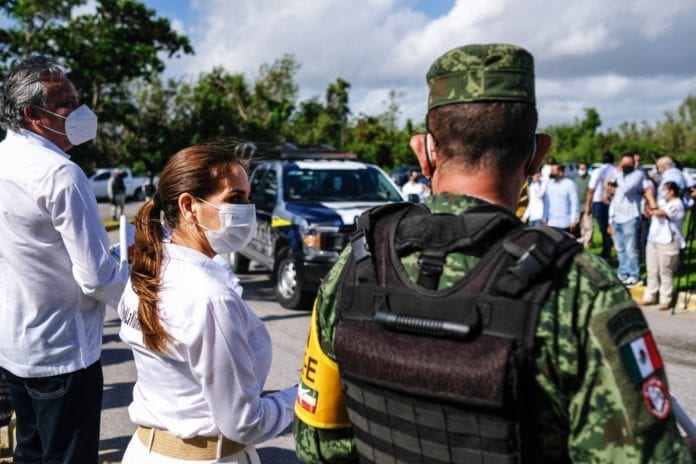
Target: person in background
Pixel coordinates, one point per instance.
(560, 201)
(116, 189)
(665, 241)
(670, 171)
(627, 186)
(534, 213)
(595, 204)
(413, 187)
(201, 354)
(57, 274)
(644, 223)
(585, 221)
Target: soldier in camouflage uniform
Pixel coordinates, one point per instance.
(589, 404)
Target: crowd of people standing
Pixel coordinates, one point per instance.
(639, 214)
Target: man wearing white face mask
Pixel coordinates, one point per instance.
(201, 353)
(56, 272)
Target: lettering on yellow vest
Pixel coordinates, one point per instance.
(320, 401)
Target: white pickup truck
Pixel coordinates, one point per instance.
(135, 185)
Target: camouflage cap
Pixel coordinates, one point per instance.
(479, 73)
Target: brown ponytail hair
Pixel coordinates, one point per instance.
(198, 170)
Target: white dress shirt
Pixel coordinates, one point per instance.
(55, 269)
(210, 379)
(415, 188)
(561, 203)
(626, 203)
(598, 179)
(535, 201)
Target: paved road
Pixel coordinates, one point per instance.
(675, 334)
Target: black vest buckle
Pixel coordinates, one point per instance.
(431, 265)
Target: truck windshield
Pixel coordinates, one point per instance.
(367, 184)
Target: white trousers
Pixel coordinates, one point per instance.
(137, 453)
(660, 262)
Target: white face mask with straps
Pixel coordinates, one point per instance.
(80, 124)
(237, 227)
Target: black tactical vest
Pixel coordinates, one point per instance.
(440, 376)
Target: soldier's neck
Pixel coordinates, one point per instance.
(502, 192)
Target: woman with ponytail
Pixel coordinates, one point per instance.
(201, 354)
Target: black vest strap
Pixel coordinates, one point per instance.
(361, 240)
(442, 234)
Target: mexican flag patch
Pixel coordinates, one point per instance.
(640, 357)
(307, 398)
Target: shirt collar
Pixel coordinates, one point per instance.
(182, 253)
(36, 139)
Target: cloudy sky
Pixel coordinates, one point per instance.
(632, 60)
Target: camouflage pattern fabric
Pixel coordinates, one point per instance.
(587, 409)
(481, 73)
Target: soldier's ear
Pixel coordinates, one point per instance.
(418, 145)
(543, 144)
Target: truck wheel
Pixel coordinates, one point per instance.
(139, 194)
(239, 263)
(287, 282)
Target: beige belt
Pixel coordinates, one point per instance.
(189, 449)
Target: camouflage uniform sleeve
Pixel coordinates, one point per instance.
(325, 445)
(591, 407)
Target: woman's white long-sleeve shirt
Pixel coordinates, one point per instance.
(210, 379)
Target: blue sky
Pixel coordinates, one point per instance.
(183, 8)
(632, 60)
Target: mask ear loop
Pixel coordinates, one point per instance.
(427, 154)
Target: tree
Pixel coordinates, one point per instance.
(274, 97)
(576, 141)
(103, 51)
(220, 106)
(337, 111)
(158, 126)
(36, 23)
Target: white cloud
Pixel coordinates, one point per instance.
(88, 8)
(627, 58)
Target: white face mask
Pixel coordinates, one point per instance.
(80, 125)
(581, 172)
(237, 227)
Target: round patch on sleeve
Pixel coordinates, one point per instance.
(656, 397)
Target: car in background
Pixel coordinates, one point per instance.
(135, 185)
(307, 204)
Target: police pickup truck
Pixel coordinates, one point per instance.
(307, 203)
